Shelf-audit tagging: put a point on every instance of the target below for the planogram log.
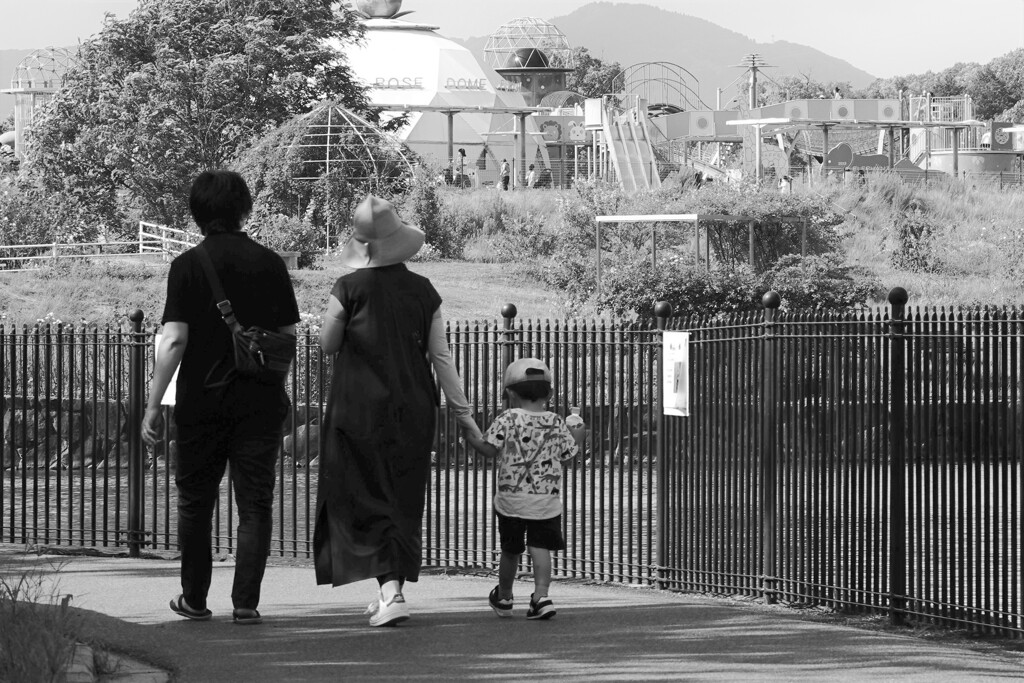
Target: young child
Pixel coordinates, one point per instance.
(532, 442)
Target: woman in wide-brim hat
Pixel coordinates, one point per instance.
(384, 322)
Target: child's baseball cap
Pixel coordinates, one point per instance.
(526, 370)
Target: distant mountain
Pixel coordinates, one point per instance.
(630, 33)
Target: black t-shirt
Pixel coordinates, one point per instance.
(255, 280)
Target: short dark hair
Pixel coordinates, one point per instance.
(219, 201)
(531, 390)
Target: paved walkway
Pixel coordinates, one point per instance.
(601, 633)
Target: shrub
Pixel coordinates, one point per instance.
(913, 244)
(634, 287)
(424, 209)
(820, 282)
(284, 233)
(525, 239)
(426, 253)
(813, 282)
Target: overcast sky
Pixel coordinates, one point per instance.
(882, 37)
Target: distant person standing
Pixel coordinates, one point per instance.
(836, 95)
(531, 177)
(505, 173)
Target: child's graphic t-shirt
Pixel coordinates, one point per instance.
(532, 446)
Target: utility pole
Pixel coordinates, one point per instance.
(752, 63)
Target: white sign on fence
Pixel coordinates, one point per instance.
(676, 350)
(168, 399)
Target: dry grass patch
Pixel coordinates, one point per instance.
(38, 629)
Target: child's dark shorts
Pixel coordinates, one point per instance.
(539, 533)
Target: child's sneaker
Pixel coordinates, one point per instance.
(501, 606)
(541, 608)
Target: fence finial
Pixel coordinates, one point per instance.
(136, 316)
(771, 299)
(898, 296)
(662, 312)
(509, 311)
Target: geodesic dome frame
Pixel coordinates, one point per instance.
(43, 70)
(331, 138)
(528, 32)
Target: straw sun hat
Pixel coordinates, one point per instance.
(379, 236)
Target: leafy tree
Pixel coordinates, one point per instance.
(802, 87)
(180, 86)
(990, 94)
(591, 76)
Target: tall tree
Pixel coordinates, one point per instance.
(180, 86)
(591, 76)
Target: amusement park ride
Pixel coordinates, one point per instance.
(514, 105)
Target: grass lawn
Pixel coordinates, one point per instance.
(108, 292)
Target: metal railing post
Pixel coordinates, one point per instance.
(662, 312)
(136, 406)
(508, 342)
(769, 453)
(897, 458)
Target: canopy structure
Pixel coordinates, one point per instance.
(332, 137)
(695, 219)
(450, 101)
(826, 125)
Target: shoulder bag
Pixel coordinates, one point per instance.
(260, 354)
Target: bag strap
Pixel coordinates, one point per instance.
(219, 298)
(226, 312)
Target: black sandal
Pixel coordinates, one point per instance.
(181, 608)
(247, 617)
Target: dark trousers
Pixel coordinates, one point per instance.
(250, 444)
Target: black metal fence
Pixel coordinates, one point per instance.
(861, 461)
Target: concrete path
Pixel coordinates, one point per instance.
(601, 633)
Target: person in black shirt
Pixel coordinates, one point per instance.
(239, 421)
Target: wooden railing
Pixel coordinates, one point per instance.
(152, 239)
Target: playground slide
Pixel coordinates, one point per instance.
(629, 147)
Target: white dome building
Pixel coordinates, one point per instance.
(410, 67)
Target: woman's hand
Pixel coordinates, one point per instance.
(481, 446)
(151, 422)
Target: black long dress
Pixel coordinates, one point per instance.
(378, 431)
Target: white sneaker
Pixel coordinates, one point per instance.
(390, 613)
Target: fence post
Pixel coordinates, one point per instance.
(508, 342)
(662, 312)
(508, 313)
(136, 405)
(769, 453)
(897, 458)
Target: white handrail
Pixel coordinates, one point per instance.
(164, 239)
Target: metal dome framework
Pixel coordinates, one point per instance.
(661, 84)
(43, 70)
(332, 139)
(562, 99)
(34, 81)
(528, 32)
